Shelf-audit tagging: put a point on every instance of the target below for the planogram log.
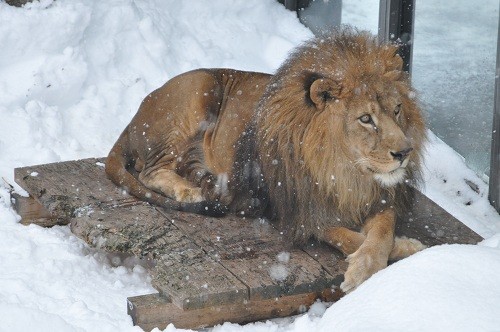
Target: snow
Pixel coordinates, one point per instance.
(278, 272)
(72, 74)
(283, 257)
(377, 303)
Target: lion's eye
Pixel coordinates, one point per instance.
(366, 118)
(397, 110)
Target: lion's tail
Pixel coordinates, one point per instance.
(116, 170)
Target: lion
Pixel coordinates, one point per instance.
(325, 148)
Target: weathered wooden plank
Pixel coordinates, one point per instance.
(66, 186)
(32, 212)
(133, 229)
(193, 280)
(256, 253)
(150, 311)
(432, 225)
(330, 259)
(106, 218)
(182, 269)
(229, 237)
(137, 229)
(284, 274)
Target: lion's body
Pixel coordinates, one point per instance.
(193, 121)
(323, 147)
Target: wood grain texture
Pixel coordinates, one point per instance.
(150, 311)
(230, 237)
(331, 260)
(192, 280)
(432, 225)
(138, 229)
(32, 212)
(256, 253)
(269, 276)
(64, 187)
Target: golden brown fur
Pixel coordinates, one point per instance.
(324, 147)
(183, 136)
(318, 141)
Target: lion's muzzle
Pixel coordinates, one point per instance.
(401, 155)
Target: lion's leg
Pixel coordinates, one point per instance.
(343, 239)
(170, 184)
(374, 252)
(192, 167)
(348, 241)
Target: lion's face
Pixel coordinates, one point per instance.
(374, 114)
(375, 131)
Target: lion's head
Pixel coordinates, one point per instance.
(339, 131)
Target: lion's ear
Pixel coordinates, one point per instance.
(324, 89)
(394, 68)
(393, 75)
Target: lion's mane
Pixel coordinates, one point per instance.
(301, 155)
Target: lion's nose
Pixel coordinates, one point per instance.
(401, 155)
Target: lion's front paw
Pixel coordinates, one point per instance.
(404, 247)
(188, 195)
(215, 189)
(362, 264)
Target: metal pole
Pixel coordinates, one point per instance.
(396, 19)
(291, 4)
(383, 21)
(494, 185)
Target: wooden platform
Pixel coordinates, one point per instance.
(206, 270)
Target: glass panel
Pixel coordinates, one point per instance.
(454, 59)
(361, 14)
(319, 15)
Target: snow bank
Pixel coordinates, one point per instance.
(53, 281)
(72, 74)
(432, 290)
